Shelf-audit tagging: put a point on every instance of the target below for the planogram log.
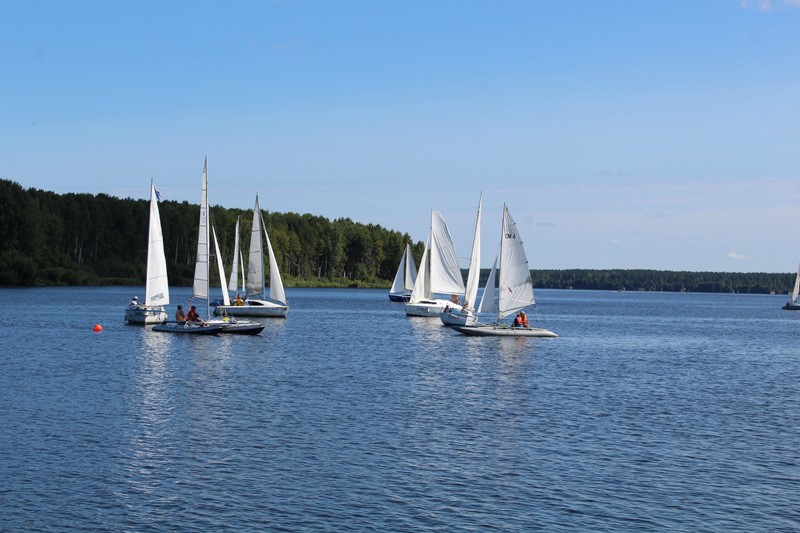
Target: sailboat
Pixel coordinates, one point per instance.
(794, 304)
(515, 291)
(241, 326)
(438, 273)
(466, 314)
(156, 292)
(404, 278)
(233, 283)
(200, 286)
(256, 302)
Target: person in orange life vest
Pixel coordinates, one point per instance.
(524, 319)
(193, 316)
(517, 321)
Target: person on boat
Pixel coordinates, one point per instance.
(239, 299)
(524, 319)
(134, 301)
(180, 317)
(193, 316)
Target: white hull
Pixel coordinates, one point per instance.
(259, 308)
(241, 326)
(427, 308)
(504, 331)
(145, 315)
(457, 317)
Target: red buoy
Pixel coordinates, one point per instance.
(98, 327)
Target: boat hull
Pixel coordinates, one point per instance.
(145, 315)
(426, 308)
(792, 306)
(188, 329)
(257, 308)
(456, 317)
(238, 327)
(503, 331)
(399, 297)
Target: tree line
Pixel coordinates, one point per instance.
(84, 239)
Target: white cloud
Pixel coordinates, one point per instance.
(769, 5)
(737, 256)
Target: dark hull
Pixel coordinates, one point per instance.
(188, 330)
(792, 306)
(399, 297)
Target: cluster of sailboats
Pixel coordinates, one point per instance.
(437, 289)
(439, 274)
(227, 315)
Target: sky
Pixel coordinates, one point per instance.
(659, 134)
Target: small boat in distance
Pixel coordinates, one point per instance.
(404, 278)
(256, 302)
(156, 292)
(793, 304)
(515, 291)
(438, 273)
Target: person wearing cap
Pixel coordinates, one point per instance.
(180, 318)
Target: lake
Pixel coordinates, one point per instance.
(651, 411)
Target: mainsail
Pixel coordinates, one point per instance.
(200, 286)
(516, 286)
(233, 284)
(157, 285)
(255, 261)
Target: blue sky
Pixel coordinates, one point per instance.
(622, 134)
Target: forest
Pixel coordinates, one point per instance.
(84, 239)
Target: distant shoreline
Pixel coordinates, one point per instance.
(578, 279)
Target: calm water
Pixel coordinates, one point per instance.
(651, 412)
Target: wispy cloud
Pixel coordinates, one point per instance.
(769, 5)
(737, 256)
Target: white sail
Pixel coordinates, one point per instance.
(515, 287)
(795, 291)
(406, 273)
(200, 286)
(276, 291)
(255, 262)
(241, 262)
(411, 270)
(473, 278)
(422, 285)
(157, 285)
(398, 285)
(233, 284)
(225, 297)
(445, 274)
(487, 304)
